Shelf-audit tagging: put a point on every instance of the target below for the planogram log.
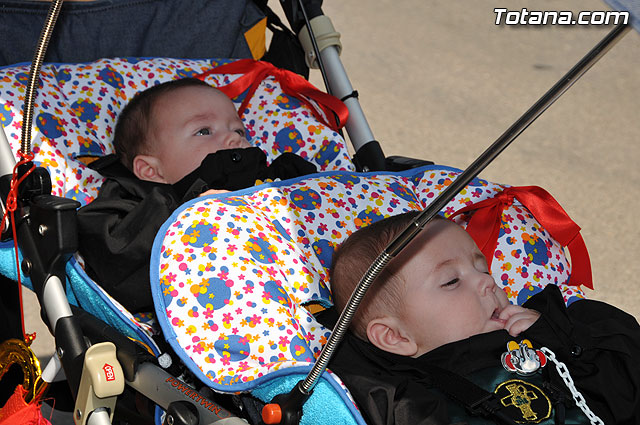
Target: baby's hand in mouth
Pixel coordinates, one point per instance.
(496, 316)
(517, 319)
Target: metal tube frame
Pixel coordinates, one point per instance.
(357, 126)
(368, 153)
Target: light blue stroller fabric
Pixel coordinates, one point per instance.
(83, 292)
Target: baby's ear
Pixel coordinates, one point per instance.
(149, 168)
(388, 334)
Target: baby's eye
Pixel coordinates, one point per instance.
(240, 131)
(203, 132)
(451, 283)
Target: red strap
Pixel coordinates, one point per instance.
(335, 111)
(12, 205)
(484, 226)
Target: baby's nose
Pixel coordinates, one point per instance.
(234, 140)
(487, 284)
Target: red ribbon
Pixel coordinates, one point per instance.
(484, 226)
(335, 111)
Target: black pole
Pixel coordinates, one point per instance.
(456, 186)
(510, 134)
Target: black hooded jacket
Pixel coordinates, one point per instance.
(599, 344)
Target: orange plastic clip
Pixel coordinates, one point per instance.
(271, 414)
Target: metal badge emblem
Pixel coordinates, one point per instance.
(522, 358)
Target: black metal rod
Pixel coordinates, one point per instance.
(472, 171)
(508, 136)
(34, 75)
(314, 43)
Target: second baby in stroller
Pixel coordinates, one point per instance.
(174, 141)
(436, 326)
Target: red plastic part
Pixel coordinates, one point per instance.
(271, 414)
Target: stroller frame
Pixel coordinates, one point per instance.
(46, 229)
(47, 234)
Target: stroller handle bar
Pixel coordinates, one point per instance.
(322, 47)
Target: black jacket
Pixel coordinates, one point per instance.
(599, 344)
(117, 229)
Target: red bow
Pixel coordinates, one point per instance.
(335, 111)
(484, 226)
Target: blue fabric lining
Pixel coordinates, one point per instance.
(315, 412)
(97, 303)
(81, 291)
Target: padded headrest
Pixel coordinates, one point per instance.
(230, 274)
(76, 110)
(77, 106)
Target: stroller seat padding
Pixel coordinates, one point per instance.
(231, 273)
(77, 106)
(76, 109)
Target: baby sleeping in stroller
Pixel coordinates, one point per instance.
(174, 142)
(435, 328)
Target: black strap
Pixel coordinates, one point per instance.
(285, 50)
(475, 399)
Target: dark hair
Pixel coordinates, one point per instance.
(351, 261)
(130, 135)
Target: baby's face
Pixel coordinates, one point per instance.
(188, 124)
(449, 293)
